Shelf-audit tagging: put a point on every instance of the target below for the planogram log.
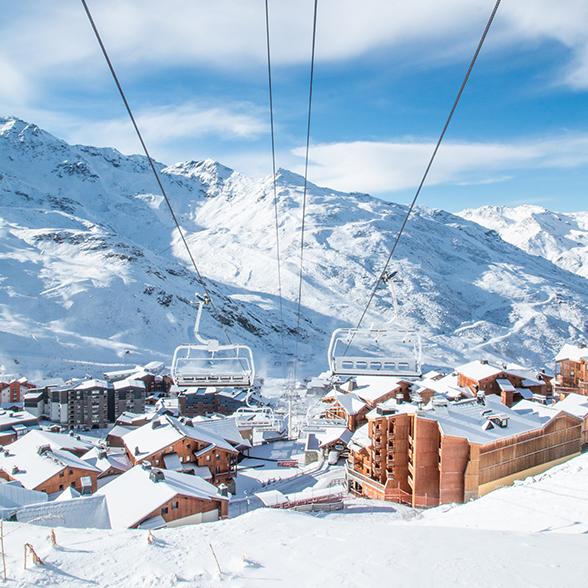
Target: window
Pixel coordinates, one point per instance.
(61, 474)
(73, 484)
(70, 472)
(164, 510)
(217, 456)
(208, 458)
(61, 486)
(175, 505)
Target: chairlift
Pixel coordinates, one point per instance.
(388, 350)
(208, 363)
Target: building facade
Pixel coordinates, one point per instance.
(454, 453)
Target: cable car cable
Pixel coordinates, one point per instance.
(304, 196)
(275, 191)
(149, 159)
(429, 165)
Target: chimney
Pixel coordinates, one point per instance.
(156, 476)
(481, 397)
(484, 361)
(399, 398)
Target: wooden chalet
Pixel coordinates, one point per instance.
(147, 497)
(350, 402)
(39, 464)
(170, 443)
(572, 370)
(510, 382)
(453, 452)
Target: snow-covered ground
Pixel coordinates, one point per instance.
(557, 236)
(529, 534)
(93, 277)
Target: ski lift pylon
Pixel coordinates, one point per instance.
(208, 363)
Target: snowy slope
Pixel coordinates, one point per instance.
(560, 237)
(92, 272)
(554, 502)
(281, 548)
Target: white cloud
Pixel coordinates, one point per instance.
(230, 33)
(14, 88)
(170, 132)
(381, 167)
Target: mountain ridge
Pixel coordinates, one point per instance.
(94, 271)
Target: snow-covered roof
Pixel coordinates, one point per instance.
(60, 441)
(24, 461)
(93, 383)
(543, 412)
(505, 385)
(360, 439)
(223, 427)
(106, 460)
(9, 418)
(469, 419)
(78, 513)
(135, 494)
(164, 431)
(350, 402)
(372, 388)
(575, 404)
(573, 353)
(128, 383)
(330, 435)
(68, 494)
(478, 370)
(13, 494)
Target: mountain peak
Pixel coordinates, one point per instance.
(208, 171)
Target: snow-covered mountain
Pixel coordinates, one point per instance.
(560, 237)
(92, 272)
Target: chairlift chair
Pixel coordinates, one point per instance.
(382, 351)
(208, 363)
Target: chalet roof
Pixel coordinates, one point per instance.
(120, 430)
(469, 419)
(360, 439)
(9, 419)
(505, 385)
(105, 460)
(478, 370)
(330, 435)
(24, 461)
(60, 441)
(135, 494)
(164, 431)
(393, 407)
(68, 494)
(573, 353)
(446, 384)
(351, 403)
(373, 388)
(575, 404)
(223, 427)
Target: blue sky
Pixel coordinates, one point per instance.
(386, 74)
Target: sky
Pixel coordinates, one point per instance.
(386, 74)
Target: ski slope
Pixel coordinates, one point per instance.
(529, 534)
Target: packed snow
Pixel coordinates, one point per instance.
(528, 534)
